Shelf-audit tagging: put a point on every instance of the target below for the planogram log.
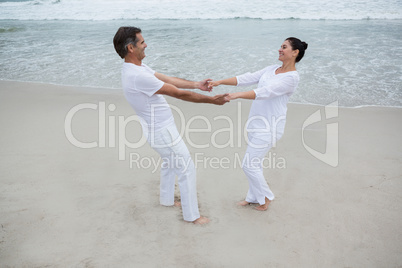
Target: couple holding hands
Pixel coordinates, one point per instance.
(144, 89)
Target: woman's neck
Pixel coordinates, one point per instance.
(288, 67)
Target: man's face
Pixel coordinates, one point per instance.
(139, 48)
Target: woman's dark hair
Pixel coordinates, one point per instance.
(297, 44)
(123, 37)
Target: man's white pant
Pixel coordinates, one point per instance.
(253, 168)
(176, 160)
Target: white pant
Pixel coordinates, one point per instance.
(176, 160)
(252, 166)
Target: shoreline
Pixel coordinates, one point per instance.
(63, 205)
(118, 91)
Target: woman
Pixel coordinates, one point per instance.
(266, 121)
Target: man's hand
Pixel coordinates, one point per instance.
(204, 85)
(221, 99)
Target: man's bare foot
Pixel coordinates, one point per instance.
(201, 220)
(265, 206)
(177, 204)
(243, 203)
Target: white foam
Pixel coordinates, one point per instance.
(349, 61)
(200, 9)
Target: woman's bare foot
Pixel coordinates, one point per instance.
(265, 206)
(201, 220)
(243, 203)
(177, 204)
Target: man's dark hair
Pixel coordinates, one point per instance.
(123, 37)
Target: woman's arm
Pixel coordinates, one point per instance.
(228, 81)
(233, 82)
(246, 79)
(286, 85)
(249, 95)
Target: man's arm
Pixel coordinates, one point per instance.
(186, 95)
(182, 83)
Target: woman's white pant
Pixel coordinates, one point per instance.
(176, 160)
(257, 148)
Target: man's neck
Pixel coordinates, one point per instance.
(133, 61)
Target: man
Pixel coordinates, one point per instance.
(143, 88)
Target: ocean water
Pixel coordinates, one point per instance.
(354, 55)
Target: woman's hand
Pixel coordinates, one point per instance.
(212, 84)
(232, 96)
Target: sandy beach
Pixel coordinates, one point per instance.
(66, 206)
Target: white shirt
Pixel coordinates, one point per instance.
(139, 85)
(268, 111)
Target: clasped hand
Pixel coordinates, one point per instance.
(208, 85)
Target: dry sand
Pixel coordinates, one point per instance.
(64, 206)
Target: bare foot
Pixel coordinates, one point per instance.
(243, 203)
(177, 204)
(201, 220)
(265, 206)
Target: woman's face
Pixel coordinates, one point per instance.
(286, 52)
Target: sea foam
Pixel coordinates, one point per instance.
(199, 9)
